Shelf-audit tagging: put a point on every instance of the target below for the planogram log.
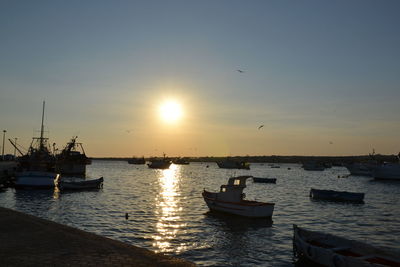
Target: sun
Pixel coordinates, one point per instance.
(171, 111)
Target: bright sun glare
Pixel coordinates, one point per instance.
(171, 111)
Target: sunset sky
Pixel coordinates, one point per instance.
(323, 77)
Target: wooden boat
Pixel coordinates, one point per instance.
(313, 166)
(264, 180)
(162, 163)
(35, 180)
(387, 171)
(330, 250)
(336, 195)
(231, 200)
(80, 185)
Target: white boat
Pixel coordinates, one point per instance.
(387, 171)
(330, 250)
(35, 180)
(231, 200)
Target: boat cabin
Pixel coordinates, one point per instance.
(233, 191)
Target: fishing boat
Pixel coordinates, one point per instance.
(79, 184)
(330, 250)
(264, 180)
(336, 195)
(37, 167)
(137, 161)
(231, 200)
(163, 163)
(231, 164)
(72, 160)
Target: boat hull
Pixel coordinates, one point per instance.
(264, 180)
(35, 180)
(81, 185)
(387, 172)
(330, 250)
(340, 196)
(251, 209)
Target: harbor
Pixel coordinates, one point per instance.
(163, 210)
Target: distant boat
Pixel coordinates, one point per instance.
(181, 161)
(361, 168)
(275, 166)
(137, 161)
(336, 195)
(387, 171)
(313, 166)
(330, 250)
(230, 164)
(231, 200)
(264, 180)
(163, 163)
(72, 160)
(79, 184)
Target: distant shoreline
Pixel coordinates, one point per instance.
(278, 159)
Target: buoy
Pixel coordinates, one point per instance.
(126, 216)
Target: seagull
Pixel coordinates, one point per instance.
(330, 142)
(259, 127)
(241, 71)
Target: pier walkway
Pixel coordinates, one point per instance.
(26, 240)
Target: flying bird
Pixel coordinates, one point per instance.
(259, 127)
(241, 71)
(330, 142)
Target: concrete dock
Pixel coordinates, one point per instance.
(26, 240)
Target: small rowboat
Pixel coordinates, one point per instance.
(80, 185)
(331, 250)
(336, 195)
(264, 180)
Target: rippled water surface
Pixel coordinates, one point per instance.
(167, 213)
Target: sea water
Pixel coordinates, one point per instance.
(167, 214)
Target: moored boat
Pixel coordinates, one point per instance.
(72, 160)
(230, 164)
(137, 161)
(313, 166)
(264, 180)
(336, 195)
(387, 171)
(330, 250)
(35, 180)
(361, 168)
(231, 200)
(163, 163)
(79, 184)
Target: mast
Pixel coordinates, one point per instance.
(42, 128)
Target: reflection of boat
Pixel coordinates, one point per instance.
(230, 164)
(163, 163)
(331, 250)
(231, 200)
(313, 166)
(336, 195)
(79, 184)
(35, 180)
(72, 160)
(387, 171)
(37, 166)
(361, 168)
(264, 180)
(137, 161)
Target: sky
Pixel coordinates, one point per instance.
(323, 77)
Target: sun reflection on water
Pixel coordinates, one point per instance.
(168, 211)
